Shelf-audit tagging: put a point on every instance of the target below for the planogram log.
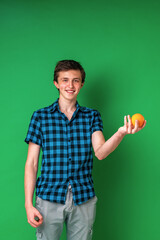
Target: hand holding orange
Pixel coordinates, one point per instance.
(132, 126)
(138, 117)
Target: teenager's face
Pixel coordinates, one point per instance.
(69, 84)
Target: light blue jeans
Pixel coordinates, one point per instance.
(79, 219)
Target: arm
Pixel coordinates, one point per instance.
(31, 168)
(103, 148)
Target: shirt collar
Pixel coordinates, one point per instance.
(55, 106)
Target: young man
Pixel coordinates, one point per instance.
(66, 133)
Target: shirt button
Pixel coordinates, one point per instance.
(69, 159)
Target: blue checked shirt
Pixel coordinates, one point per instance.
(66, 151)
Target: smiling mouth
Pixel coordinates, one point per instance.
(70, 91)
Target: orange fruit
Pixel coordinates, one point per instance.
(138, 117)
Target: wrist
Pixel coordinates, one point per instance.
(28, 204)
(121, 133)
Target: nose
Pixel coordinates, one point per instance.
(71, 84)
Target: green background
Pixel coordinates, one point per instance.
(117, 43)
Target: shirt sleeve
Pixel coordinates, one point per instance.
(34, 133)
(97, 122)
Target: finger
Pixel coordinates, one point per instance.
(39, 221)
(144, 124)
(39, 217)
(125, 122)
(33, 220)
(136, 127)
(130, 124)
(32, 224)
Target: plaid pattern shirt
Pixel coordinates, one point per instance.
(66, 151)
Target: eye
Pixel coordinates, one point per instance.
(76, 80)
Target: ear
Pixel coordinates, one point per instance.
(82, 85)
(56, 84)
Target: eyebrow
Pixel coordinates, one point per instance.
(68, 78)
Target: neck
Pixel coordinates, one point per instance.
(66, 105)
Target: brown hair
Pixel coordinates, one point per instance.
(66, 65)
